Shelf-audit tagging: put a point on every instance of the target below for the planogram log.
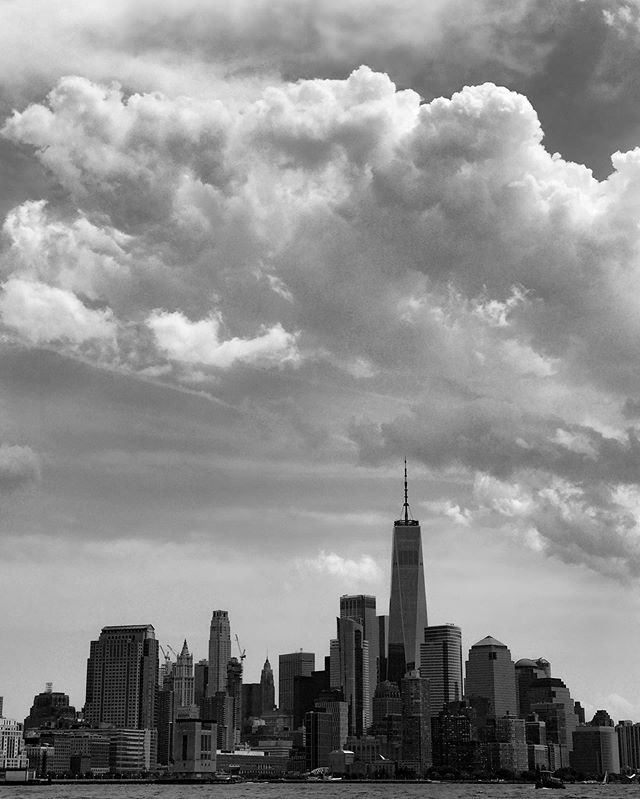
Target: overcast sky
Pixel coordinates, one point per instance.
(253, 255)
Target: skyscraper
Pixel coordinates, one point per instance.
(122, 678)
(219, 652)
(291, 665)
(349, 673)
(183, 683)
(267, 688)
(234, 690)
(362, 608)
(441, 664)
(491, 680)
(408, 600)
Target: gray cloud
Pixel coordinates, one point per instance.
(19, 466)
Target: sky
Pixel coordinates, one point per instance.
(252, 256)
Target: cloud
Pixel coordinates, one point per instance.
(198, 342)
(364, 569)
(41, 314)
(19, 466)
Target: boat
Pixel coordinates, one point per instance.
(547, 780)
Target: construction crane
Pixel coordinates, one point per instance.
(243, 652)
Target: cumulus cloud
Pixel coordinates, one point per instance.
(19, 466)
(481, 292)
(42, 314)
(364, 569)
(199, 343)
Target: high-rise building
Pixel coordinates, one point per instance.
(549, 699)
(219, 652)
(267, 687)
(441, 664)
(416, 723)
(527, 671)
(408, 600)
(292, 665)
(234, 690)
(122, 678)
(349, 673)
(595, 751)
(491, 680)
(183, 681)
(362, 608)
(629, 746)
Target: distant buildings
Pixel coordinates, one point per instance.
(50, 709)
(490, 683)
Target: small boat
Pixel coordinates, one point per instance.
(547, 780)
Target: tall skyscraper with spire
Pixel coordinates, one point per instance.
(219, 652)
(408, 600)
(267, 688)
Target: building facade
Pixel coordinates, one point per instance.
(441, 664)
(490, 684)
(408, 599)
(122, 678)
(291, 665)
(219, 652)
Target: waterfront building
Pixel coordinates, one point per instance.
(416, 723)
(628, 746)
(50, 709)
(490, 685)
(454, 738)
(441, 664)
(408, 599)
(219, 652)
(317, 727)
(12, 754)
(333, 704)
(290, 666)
(595, 751)
(195, 748)
(122, 678)
(234, 690)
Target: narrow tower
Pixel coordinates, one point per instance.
(408, 600)
(219, 652)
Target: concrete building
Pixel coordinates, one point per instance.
(219, 652)
(194, 748)
(490, 685)
(595, 751)
(441, 664)
(291, 665)
(122, 678)
(333, 704)
(454, 739)
(408, 599)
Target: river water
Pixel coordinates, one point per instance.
(342, 790)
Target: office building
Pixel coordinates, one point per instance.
(195, 749)
(122, 678)
(333, 704)
(317, 726)
(416, 723)
(490, 684)
(441, 664)
(234, 690)
(408, 599)
(50, 710)
(628, 746)
(595, 751)
(12, 754)
(183, 680)
(291, 665)
(349, 673)
(362, 608)
(219, 652)
(267, 688)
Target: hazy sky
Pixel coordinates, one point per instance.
(253, 255)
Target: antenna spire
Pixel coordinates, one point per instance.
(406, 494)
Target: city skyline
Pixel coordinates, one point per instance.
(253, 258)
